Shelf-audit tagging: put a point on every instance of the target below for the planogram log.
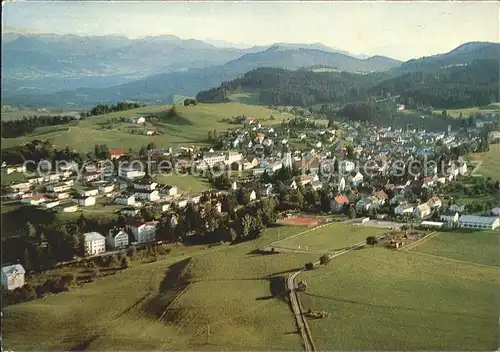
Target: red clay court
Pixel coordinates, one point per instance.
(302, 221)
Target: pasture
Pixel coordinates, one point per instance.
(190, 128)
(472, 246)
(381, 299)
(493, 108)
(333, 237)
(490, 162)
(226, 297)
(185, 183)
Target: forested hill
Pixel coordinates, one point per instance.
(303, 87)
(458, 86)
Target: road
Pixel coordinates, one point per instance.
(294, 298)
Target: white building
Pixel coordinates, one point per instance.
(84, 201)
(68, 208)
(403, 209)
(449, 219)
(13, 276)
(117, 238)
(479, 222)
(144, 185)
(94, 243)
(422, 211)
(143, 231)
(233, 156)
(34, 200)
(346, 166)
(148, 195)
(89, 192)
(171, 190)
(130, 173)
(125, 199)
(106, 188)
(50, 204)
(57, 188)
(212, 158)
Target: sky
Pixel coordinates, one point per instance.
(401, 30)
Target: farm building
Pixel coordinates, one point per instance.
(479, 222)
(13, 276)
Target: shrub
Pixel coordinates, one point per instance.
(371, 240)
(309, 266)
(131, 252)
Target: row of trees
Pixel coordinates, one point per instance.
(102, 109)
(26, 125)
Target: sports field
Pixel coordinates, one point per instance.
(332, 237)
(380, 299)
(302, 221)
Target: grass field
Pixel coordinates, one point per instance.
(186, 184)
(191, 128)
(228, 305)
(490, 162)
(473, 246)
(330, 238)
(493, 108)
(379, 299)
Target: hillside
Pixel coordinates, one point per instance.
(452, 87)
(191, 128)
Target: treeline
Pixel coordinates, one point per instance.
(106, 109)
(26, 125)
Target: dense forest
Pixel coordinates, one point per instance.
(452, 87)
(302, 87)
(462, 86)
(26, 125)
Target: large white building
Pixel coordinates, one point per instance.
(148, 195)
(12, 277)
(143, 231)
(94, 243)
(479, 222)
(130, 173)
(212, 158)
(117, 238)
(145, 185)
(84, 201)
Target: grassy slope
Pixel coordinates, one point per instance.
(331, 238)
(191, 129)
(185, 183)
(231, 291)
(478, 247)
(380, 299)
(490, 162)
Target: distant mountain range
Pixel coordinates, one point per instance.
(53, 70)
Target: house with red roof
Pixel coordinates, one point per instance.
(116, 153)
(339, 203)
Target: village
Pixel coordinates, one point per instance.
(347, 169)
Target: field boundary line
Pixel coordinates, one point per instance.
(453, 259)
(412, 245)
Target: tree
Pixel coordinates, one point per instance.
(246, 224)
(324, 259)
(309, 266)
(82, 223)
(131, 252)
(351, 213)
(371, 240)
(26, 259)
(125, 264)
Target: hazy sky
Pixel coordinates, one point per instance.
(399, 30)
